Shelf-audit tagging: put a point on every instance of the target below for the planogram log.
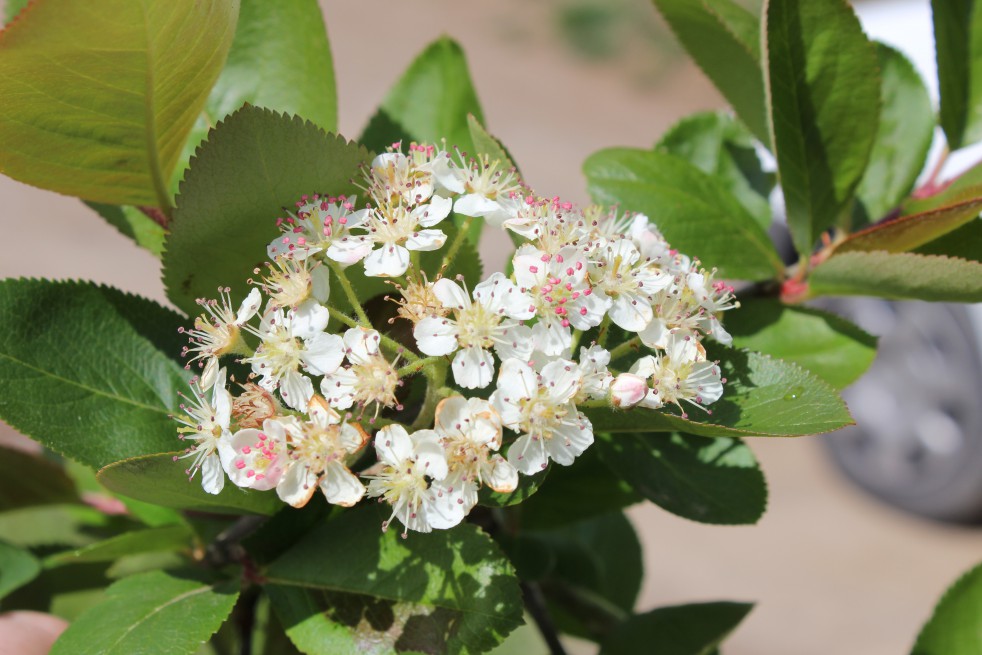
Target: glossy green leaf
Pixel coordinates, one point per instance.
(955, 628)
(762, 396)
(724, 40)
(347, 584)
(958, 43)
(710, 480)
(77, 375)
(831, 347)
(527, 486)
(430, 102)
(964, 243)
(28, 480)
(254, 163)
(487, 145)
(906, 129)
(824, 93)
(696, 629)
(17, 568)
(133, 223)
(152, 540)
(155, 612)
(695, 211)
(910, 232)
(160, 480)
(722, 147)
(898, 275)
(99, 97)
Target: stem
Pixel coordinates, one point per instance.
(156, 215)
(349, 291)
(577, 335)
(604, 331)
(535, 603)
(436, 375)
(416, 366)
(244, 616)
(342, 317)
(932, 179)
(458, 241)
(625, 348)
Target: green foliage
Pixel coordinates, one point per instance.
(696, 212)
(954, 627)
(107, 124)
(899, 275)
(724, 39)
(161, 612)
(527, 486)
(12, 8)
(764, 397)
(254, 163)
(160, 480)
(17, 568)
(347, 583)
(710, 480)
(29, 480)
(152, 540)
(964, 243)
(133, 223)
(720, 146)
(906, 128)
(910, 232)
(823, 93)
(831, 347)
(958, 42)
(77, 375)
(695, 629)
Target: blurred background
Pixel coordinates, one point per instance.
(831, 568)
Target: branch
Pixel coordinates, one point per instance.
(535, 603)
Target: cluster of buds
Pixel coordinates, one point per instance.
(324, 378)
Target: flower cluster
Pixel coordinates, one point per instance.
(325, 372)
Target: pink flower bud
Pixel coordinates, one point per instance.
(627, 390)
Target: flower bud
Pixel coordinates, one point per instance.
(627, 390)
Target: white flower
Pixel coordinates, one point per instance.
(679, 374)
(470, 430)
(714, 296)
(491, 320)
(287, 344)
(256, 459)
(550, 223)
(652, 245)
(322, 225)
(206, 422)
(407, 467)
(617, 271)
(400, 179)
(540, 406)
(487, 190)
(369, 379)
(217, 332)
(561, 295)
(593, 368)
(317, 456)
(395, 230)
(291, 283)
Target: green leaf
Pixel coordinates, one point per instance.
(485, 144)
(160, 480)
(527, 486)
(831, 347)
(254, 163)
(910, 232)
(964, 242)
(710, 480)
(696, 629)
(824, 92)
(903, 138)
(98, 98)
(17, 568)
(347, 584)
(50, 526)
(898, 275)
(695, 211)
(762, 396)
(954, 628)
(77, 375)
(29, 480)
(133, 223)
(723, 39)
(158, 612)
(958, 43)
(722, 147)
(12, 8)
(152, 540)
(430, 102)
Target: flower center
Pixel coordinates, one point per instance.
(376, 381)
(476, 326)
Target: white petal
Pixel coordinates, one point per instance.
(562, 378)
(655, 334)
(474, 204)
(390, 260)
(595, 304)
(473, 368)
(393, 445)
(500, 475)
(308, 319)
(448, 508)
(436, 336)
(361, 344)
(550, 337)
(645, 367)
(339, 388)
(431, 214)
(249, 307)
(350, 249)
(430, 454)
(517, 380)
(212, 475)
(446, 175)
(297, 485)
(450, 294)
(631, 312)
(340, 486)
(320, 277)
(296, 390)
(323, 354)
(528, 455)
(221, 401)
(569, 441)
(353, 437)
(514, 341)
(425, 240)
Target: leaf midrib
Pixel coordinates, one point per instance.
(155, 610)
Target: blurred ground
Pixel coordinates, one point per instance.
(831, 571)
